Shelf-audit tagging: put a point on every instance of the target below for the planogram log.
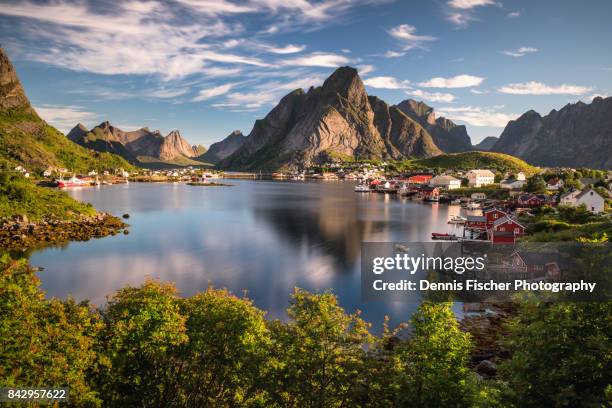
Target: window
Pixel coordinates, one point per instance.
(517, 230)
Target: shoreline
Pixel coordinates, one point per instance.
(20, 233)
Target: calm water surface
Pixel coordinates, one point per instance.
(265, 237)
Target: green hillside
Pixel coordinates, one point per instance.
(27, 140)
(179, 161)
(475, 160)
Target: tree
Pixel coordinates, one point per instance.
(144, 327)
(319, 353)
(433, 363)
(44, 343)
(562, 354)
(536, 184)
(225, 360)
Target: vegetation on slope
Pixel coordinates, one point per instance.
(19, 196)
(477, 160)
(27, 140)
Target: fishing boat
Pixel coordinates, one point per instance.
(71, 182)
(444, 237)
(472, 206)
(456, 201)
(362, 188)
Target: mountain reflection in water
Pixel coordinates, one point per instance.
(262, 237)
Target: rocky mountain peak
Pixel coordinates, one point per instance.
(418, 110)
(12, 95)
(345, 81)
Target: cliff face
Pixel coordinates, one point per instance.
(578, 135)
(448, 136)
(336, 120)
(12, 94)
(133, 144)
(220, 150)
(486, 144)
(26, 140)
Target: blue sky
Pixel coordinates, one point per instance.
(207, 67)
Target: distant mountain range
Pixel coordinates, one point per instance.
(578, 135)
(337, 120)
(27, 140)
(141, 146)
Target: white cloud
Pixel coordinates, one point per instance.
(538, 88)
(346, 50)
(208, 93)
(478, 92)
(460, 12)
(365, 69)
(65, 117)
(386, 82)
(589, 99)
(520, 52)
(406, 34)
(432, 96)
(318, 59)
(514, 14)
(459, 81)
(470, 4)
(478, 116)
(167, 93)
(394, 54)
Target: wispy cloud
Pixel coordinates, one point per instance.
(406, 35)
(432, 96)
(208, 93)
(538, 88)
(318, 59)
(513, 14)
(460, 12)
(394, 54)
(386, 82)
(521, 52)
(459, 81)
(478, 116)
(65, 117)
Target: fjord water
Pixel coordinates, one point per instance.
(262, 237)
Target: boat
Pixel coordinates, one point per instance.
(457, 219)
(71, 182)
(456, 201)
(432, 199)
(472, 206)
(444, 237)
(362, 188)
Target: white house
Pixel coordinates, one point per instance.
(92, 173)
(520, 176)
(554, 184)
(512, 184)
(446, 182)
(587, 197)
(478, 196)
(479, 178)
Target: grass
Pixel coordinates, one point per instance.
(491, 192)
(20, 196)
(153, 162)
(475, 160)
(27, 140)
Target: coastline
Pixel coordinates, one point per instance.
(20, 233)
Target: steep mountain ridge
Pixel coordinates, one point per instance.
(335, 120)
(448, 136)
(27, 140)
(220, 150)
(578, 135)
(133, 145)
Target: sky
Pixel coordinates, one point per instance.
(208, 67)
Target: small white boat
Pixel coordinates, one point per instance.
(362, 188)
(456, 201)
(472, 206)
(457, 219)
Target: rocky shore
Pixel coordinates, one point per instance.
(21, 233)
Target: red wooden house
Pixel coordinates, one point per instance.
(476, 222)
(505, 230)
(430, 193)
(493, 214)
(419, 179)
(529, 200)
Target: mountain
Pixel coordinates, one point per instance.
(138, 146)
(220, 150)
(336, 120)
(486, 143)
(448, 136)
(578, 135)
(27, 140)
